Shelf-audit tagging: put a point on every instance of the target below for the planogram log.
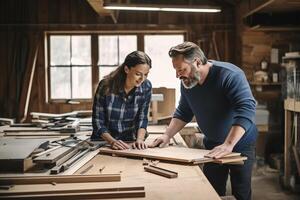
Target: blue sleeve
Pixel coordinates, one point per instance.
(99, 113)
(143, 111)
(238, 92)
(183, 110)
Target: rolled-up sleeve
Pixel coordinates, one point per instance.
(183, 110)
(98, 117)
(240, 96)
(143, 111)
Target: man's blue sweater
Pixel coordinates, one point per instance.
(223, 100)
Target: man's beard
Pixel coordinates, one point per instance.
(191, 82)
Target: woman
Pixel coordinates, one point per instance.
(121, 103)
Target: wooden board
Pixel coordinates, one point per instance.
(70, 190)
(82, 195)
(230, 160)
(170, 153)
(15, 180)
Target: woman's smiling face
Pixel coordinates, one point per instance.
(137, 75)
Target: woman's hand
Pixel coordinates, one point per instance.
(139, 144)
(119, 145)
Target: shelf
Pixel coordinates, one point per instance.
(292, 105)
(265, 84)
(274, 28)
(275, 6)
(273, 15)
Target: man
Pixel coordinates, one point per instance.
(219, 96)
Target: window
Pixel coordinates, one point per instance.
(112, 51)
(161, 61)
(71, 62)
(70, 67)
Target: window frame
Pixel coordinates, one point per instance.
(95, 54)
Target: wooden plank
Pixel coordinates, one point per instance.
(29, 134)
(28, 78)
(287, 145)
(24, 129)
(53, 156)
(17, 180)
(66, 190)
(156, 129)
(171, 153)
(161, 171)
(297, 159)
(230, 160)
(82, 195)
(81, 162)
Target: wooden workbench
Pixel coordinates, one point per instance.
(190, 183)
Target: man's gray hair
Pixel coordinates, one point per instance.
(189, 50)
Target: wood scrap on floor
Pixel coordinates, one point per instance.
(161, 171)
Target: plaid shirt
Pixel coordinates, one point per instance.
(121, 115)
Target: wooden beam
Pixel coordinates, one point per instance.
(83, 195)
(20, 180)
(81, 190)
(97, 6)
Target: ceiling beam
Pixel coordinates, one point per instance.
(97, 5)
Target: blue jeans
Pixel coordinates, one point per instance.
(240, 175)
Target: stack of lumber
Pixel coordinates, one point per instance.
(49, 124)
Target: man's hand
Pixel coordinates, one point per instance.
(220, 151)
(161, 141)
(119, 145)
(139, 144)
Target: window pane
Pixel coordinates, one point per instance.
(127, 44)
(81, 50)
(60, 50)
(108, 50)
(103, 71)
(81, 82)
(60, 83)
(161, 62)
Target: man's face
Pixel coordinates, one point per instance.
(186, 72)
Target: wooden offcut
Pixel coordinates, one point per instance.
(161, 171)
(19, 180)
(230, 159)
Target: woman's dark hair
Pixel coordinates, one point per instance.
(114, 82)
